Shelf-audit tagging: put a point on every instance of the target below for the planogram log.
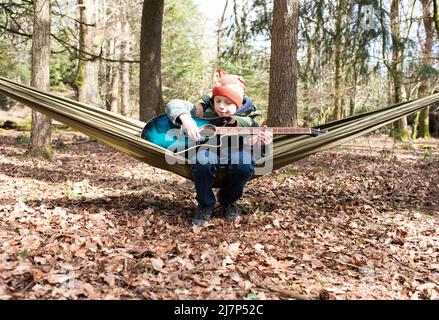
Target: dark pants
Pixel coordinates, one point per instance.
(240, 167)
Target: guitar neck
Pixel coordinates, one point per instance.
(256, 130)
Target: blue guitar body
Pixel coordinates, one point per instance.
(162, 132)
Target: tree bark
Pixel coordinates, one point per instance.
(40, 142)
(125, 70)
(424, 89)
(151, 97)
(113, 94)
(436, 15)
(353, 92)
(401, 127)
(282, 110)
(87, 73)
(337, 60)
(396, 50)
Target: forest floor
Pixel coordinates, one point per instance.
(358, 222)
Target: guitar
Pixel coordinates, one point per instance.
(162, 132)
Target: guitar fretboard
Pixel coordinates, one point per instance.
(256, 130)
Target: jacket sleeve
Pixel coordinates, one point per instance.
(246, 121)
(175, 108)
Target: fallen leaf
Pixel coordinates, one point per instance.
(157, 264)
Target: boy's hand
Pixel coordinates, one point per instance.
(191, 128)
(264, 137)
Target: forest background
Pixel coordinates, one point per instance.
(354, 222)
(352, 56)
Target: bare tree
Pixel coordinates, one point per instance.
(151, 97)
(436, 15)
(396, 66)
(125, 69)
(86, 80)
(41, 133)
(115, 70)
(337, 60)
(282, 110)
(427, 49)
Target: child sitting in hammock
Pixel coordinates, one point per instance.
(227, 99)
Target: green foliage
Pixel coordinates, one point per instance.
(60, 144)
(74, 190)
(408, 146)
(62, 70)
(242, 55)
(318, 170)
(182, 51)
(339, 184)
(252, 296)
(23, 254)
(289, 173)
(365, 108)
(256, 81)
(24, 125)
(261, 25)
(3, 102)
(296, 244)
(45, 152)
(314, 207)
(22, 140)
(11, 66)
(428, 155)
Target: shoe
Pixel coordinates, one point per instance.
(232, 212)
(202, 215)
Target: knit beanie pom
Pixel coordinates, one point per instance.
(230, 86)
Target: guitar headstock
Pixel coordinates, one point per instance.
(317, 132)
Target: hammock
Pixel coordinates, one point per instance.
(123, 133)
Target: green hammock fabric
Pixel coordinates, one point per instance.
(123, 133)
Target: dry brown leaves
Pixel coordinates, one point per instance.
(95, 224)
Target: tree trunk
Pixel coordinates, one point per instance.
(404, 128)
(424, 124)
(41, 133)
(87, 73)
(424, 89)
(151, 97)
(113, 93)
(125, 70)
(401, 128)
(353, 93)
(106, 47)
(105, 70)
(282, 110)
(337, 61)
(436, 15)
(396, 50)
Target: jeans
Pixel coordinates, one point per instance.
(240, 167)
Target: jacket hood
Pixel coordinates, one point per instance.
(247, 107)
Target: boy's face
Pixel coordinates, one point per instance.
(223, 106)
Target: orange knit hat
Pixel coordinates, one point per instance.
(230, 86)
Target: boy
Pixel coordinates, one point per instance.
(227, 100)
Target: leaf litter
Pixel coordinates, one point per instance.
(356, 222)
